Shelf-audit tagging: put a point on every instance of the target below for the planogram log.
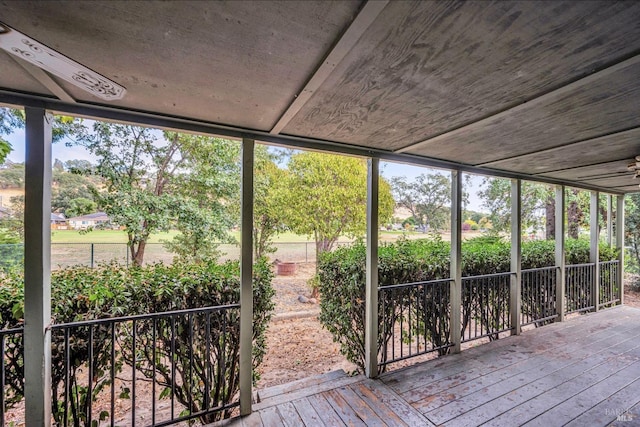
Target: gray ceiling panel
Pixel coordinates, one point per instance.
(424, 68)
(599, 170)
(233, 62)
(620, 146)
(604, 103)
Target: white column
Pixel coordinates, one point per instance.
(610, 220)
(620, 245)
(516, 256)
(37, 268)
(246, 278)
(593, 250)
(560, 264)
(456, 259)
(371, 329)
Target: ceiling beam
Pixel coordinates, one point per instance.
(343, 46)
(161, 121)
(572, 168)
(532, 103)
(45, 79)
(620, 133)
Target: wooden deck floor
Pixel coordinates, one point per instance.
(583, 372)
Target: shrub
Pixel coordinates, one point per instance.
(81, 293)
(341, 276)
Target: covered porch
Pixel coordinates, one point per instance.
(585, 371)
(514, 90)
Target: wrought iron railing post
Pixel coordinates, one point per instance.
(594, 249)
(559, 253)
(515, 288)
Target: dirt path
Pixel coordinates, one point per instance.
(298, 347)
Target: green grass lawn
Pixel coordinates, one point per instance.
(117, 236)
(102, 236)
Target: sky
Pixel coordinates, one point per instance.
(387, 169)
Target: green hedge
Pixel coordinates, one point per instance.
(82, 293)
(341, 276)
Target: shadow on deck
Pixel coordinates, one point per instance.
(585, 371)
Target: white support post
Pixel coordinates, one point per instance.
(560, 263)
(456, 260)
(610, 220)
(37, 268)
(246, 278)
(593, 249)
(516, 257)
(620, 245)
(371, 330)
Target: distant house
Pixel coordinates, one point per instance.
(58, 221)
(97, 219)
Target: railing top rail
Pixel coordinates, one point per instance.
(144, 316)
(588, 264)
(530, 270)
(615, 261)
(482, 276)
(11, 331)
(406, 285)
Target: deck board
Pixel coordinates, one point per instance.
(584, 371)
(485, 389)
(310, 417)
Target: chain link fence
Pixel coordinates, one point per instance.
(91, 254)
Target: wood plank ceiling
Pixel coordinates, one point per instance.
(544, 89)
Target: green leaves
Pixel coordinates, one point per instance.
(326, 197)
(428, 198)
(81, 293)
(341, 276)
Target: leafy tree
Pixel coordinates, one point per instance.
(497, 198)
(427, 198)
(154, 183)
(268, 194)
(632, 228)
(130, 160)
(10, 119)
(577, 208)
(15, 223)
(11, 175)
(327, 197)
(206, 188)
(69, 185)
(80, 206)
(538, 206)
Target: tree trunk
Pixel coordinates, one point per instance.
(137, 256)
(550, 208)
(573, 220)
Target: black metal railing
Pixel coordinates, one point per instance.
(153, 369)
(485, 306)
(12, 370)
(609, 284)
(538, 296)
(578, 287)
(414, 319)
